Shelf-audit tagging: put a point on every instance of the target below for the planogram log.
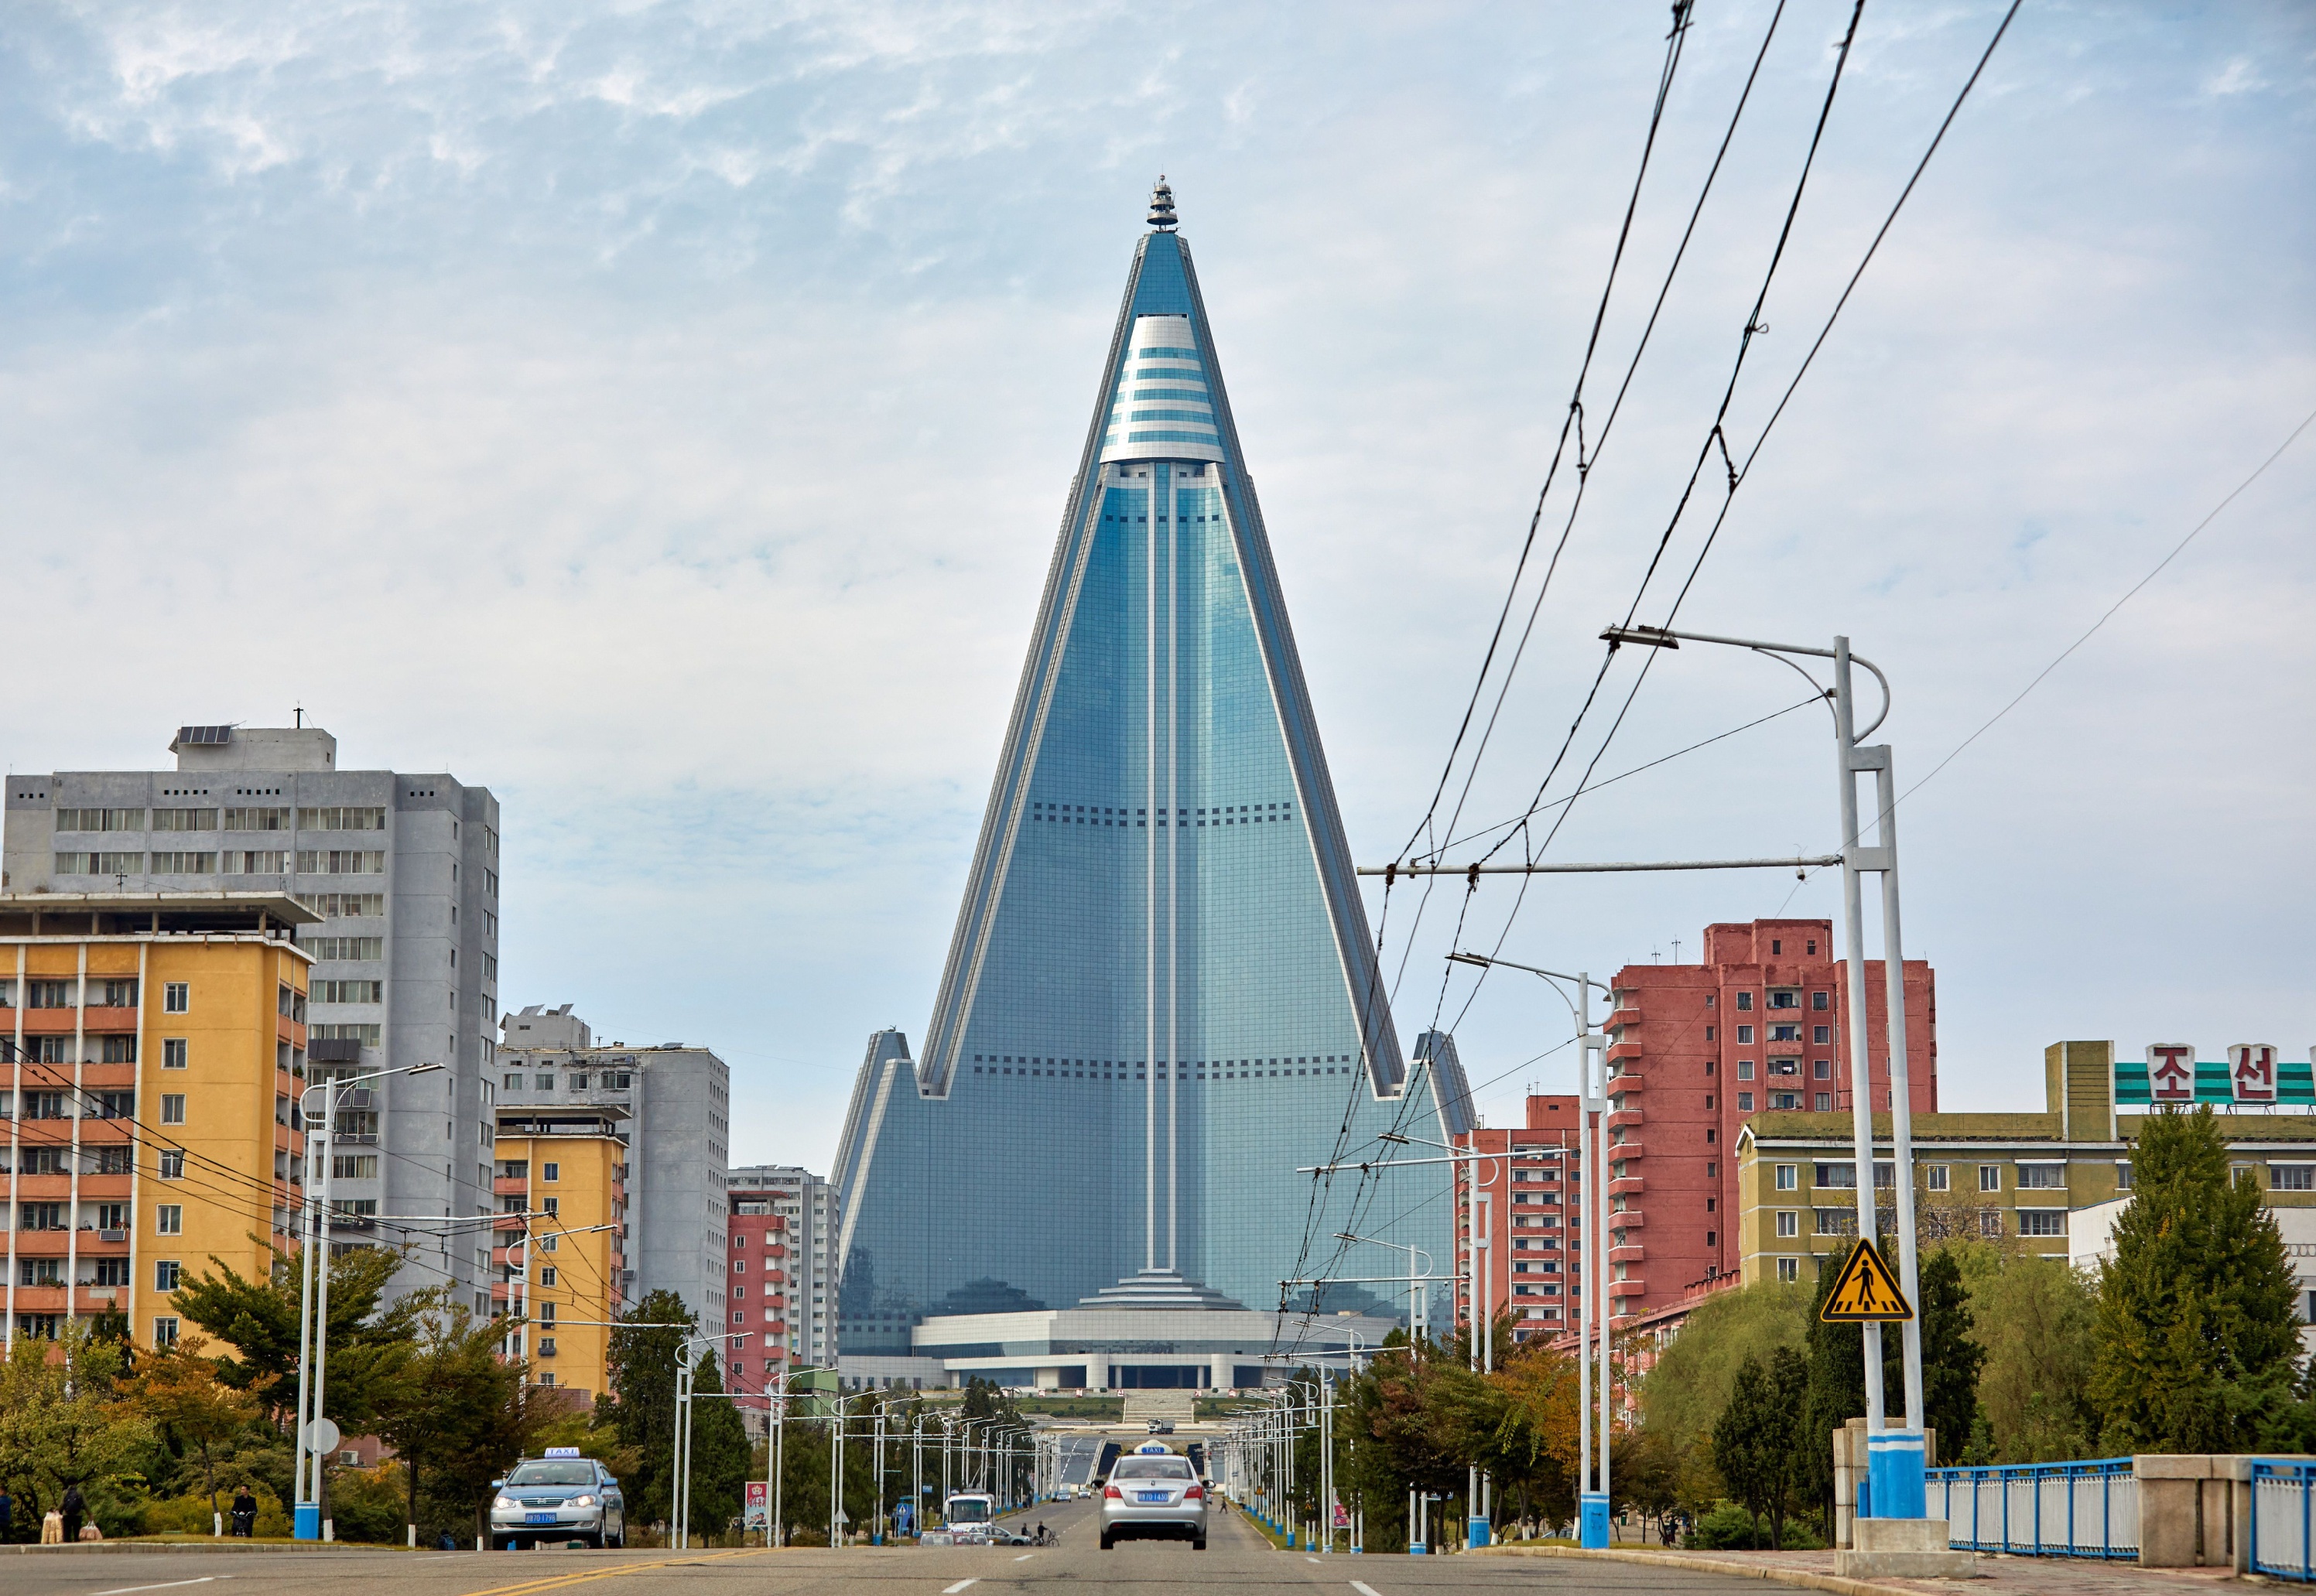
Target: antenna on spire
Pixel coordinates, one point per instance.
(1162, 206)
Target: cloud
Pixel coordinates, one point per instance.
(661, 414)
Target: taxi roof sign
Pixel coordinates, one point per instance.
(1866, 1291)
(563, 1451)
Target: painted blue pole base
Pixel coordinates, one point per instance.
(1592, 1521)
(1418, 1550)
(1893, 1473)
(306, 1523)
(1475, 1531)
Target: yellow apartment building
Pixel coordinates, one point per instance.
(152, 1047)
(561, 1238)
(2019, 1176)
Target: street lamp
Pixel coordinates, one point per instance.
(1896, 1458)
(1592, 1199)
(313, 1299)
(1415, 1277)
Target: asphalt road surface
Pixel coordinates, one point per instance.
(1237, 1560)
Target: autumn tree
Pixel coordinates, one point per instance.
(178, 1390)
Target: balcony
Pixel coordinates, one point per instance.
(1628, 1288)
(1619, 1018)
(1630, 1147)
(1626, 1186)
(510, 1185)
(97, 1017)
(1621, 1118)
(1630, 1252)
(1621, 1052)
(1626, 1218)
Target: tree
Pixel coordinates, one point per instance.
(456, 1414)
(259, 1321)
(1950, 1356)
(1741, 1446)
(642, 1399)
(178, 1390)
(62, 1424)
(2195, 1338)
(1835, 1390)
(2033, 1315)
(1682, 1396)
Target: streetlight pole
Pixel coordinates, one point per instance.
(1894, 1456)
(1592, 1202)
(314, 1295)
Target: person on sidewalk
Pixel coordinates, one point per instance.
(7, 1512)
(75, 1507)
(244, 1512)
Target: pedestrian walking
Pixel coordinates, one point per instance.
(76, 1507)
(244, 1512)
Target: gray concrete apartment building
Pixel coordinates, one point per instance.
(679, 1103)
(809, 1204)
(404, 871)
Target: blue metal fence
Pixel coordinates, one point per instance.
(2280, 1495)
(2041, 1510)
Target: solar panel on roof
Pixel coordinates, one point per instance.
(199, 735)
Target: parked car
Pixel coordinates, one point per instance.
(1154, 1493)
(560, 1497)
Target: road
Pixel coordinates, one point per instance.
(1237, 1560)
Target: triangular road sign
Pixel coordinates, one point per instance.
(1865, 1291)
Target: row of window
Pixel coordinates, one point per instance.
(349, 991)
(1820, 1035)
(341, 906)
(347, 947)
(610, 1080)
(101, 992)
(232, 862)
(333, 818)
(1180, 1075)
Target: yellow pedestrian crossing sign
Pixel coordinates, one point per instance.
(1866, 1291)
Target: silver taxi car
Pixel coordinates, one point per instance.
(560, 1497)
(1154, 1493)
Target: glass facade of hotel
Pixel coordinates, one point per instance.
(1160, 998)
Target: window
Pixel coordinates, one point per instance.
(173, 1108)
(545, 1083)
(100, 819)
(1989, 1177)
(1744, 1070)
(172, 1165)
(2123, 1180)
(1744, 1103)
(1789, 1269)
(1937, 1176)
(2042, 1221)
(1744, 1000)
(185, 819)
(257, 820)
(1825, 1103)
(546, 1243)
(1789, 1222)
(547, 1275)
(115, 1050)
(52, 994)
(165, 1272)
(100, 864)
(1784, 1000)
(1744, 1034)
(183, 864)
(349, 991)
(1821, 1069)
(2042, 1177)
(1821, 1035)
(341, 862)
(354, 1165)
(176, 997)
(1818, 1001)
(578, 1083)
(348, 947)
(550, 1206)
(1837, 1221)
(169, 1218)
(1788, 1176)
(550, 1172)
(1844, 1176)
(165, 1331)
(2291, 1178)
(1990, 1221)
(341, 820)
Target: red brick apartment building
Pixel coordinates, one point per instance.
(1526, 1209)
(756, 1293)
(1694, 1051)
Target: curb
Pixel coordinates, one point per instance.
(226, 1545)
(1808, 1579)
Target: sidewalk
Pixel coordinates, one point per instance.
(2001, 1577)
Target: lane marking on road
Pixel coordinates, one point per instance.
(1310, 1560)
(953, 1590)
(557, 1581)
(165, 1585)
(1363, 1588)
(1025, 1557)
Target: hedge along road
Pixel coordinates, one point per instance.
(1237, 1560)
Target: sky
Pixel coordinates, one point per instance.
(661, 414)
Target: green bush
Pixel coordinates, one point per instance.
(1728, 1528)
(369, 1504)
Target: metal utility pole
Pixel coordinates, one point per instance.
(1896, 1458)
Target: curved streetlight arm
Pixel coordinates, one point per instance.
(1660, 637)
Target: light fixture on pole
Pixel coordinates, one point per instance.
(315, 1433)
(1894, 1456)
